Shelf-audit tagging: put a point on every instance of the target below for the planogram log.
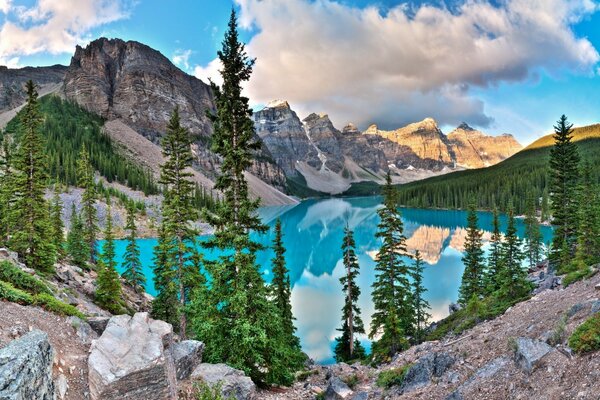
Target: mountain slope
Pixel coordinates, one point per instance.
(513, 178)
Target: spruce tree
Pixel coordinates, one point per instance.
(564, 179)
(85, 180)
(348, 347)
(31, 228)
(533, 233)
(588, 241)
(513, 277)
(132, 266)
(237, 320)
(473, 276)
(77, 247)
(393, 317)
(178, 210)
(6, 191)
(492, 282)
(545, 206)
(421, 306)
(165, 305)
(108, 285)
(58, 227)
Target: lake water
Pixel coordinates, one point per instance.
(313, 232)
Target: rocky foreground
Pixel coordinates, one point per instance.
(519, 355)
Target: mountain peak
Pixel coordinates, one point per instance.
(278, 104)
(465, 127)
(350, 128)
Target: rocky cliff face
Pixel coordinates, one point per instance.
(12, 82)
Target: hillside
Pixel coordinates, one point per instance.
(513, 178)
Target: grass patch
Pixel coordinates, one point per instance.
(304, 375)
(558, 334)
(392, 377)
(21, 279)
(50, 303)
(577, 275)
(10, 293)
(351, 381)
(586, 338)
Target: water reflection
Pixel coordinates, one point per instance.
(313, 232)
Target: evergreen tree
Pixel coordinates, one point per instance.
(348, 347)
(564, 178)
(178, 210)
(6, 191)
(58, 228)
(588, 241)
(77, 247)
(533, 233)
(392, 320)
(473, 276)
(420, 304)
(85, 180)
(545, 206)
(494, 269)
(282, 290)
(236, 319)
(108, 285)
(132, 266)
(513, 277)
(165, 305)
(31, 228)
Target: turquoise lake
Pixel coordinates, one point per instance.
(313, 232)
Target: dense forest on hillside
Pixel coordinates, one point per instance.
(67, 128)
(514, 179)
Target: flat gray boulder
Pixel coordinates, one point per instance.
(187, 355)
(529, 353)
(234, 383)
(337, 390)
(26, 368)
(428, 366)
(132, 360)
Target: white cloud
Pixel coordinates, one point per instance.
(5, 6)
(359, 65)
(181, 58)
(210, 72)
(56, 26)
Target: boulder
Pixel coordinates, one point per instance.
(337, 390)
(187, 355)
(132, 359)
(83, 330)
(428, 366)
(454, 307)
(26, 368)
(233, 382)
(529, 352)
(361, 396)
(98, 324)
(61, 386)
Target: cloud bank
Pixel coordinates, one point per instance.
(54, 26)
(364, 66)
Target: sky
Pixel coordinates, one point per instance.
(502, 66)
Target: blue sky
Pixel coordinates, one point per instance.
(503, 66)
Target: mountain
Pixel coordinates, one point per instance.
(316, 154)
(512, 179)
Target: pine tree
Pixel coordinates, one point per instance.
(564, 178)
(282, 290)
(132, 266)
(178, 209)
(6, 191)
(108, 285)
(58, 228)
(420, 304)
(237, 321)
(85, 180)
(492, 281)
(588, 241)
(348, 347)
(533, 233)
(545, 206)
(30, 220)
(165, 305)
(392, 320)
(473, 276)
(513, 277)
(77, 247)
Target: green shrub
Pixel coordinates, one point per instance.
(21, 279)
(303, 375)
(586, 337)
(204, 392)
(392, 377)
(351, 380)
(50, 303)
(577, 275)
(10, 293)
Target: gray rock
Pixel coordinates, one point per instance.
(546, 282)
(187, 355)
(83, 329)
(98, 324)
(454, 307)
(575, 309)
(456, 395)
(26, 368)
(595, 306)
(337, 390)
(529, 352)
(132, 359)
(428, 366)
(361, 396)
(233, 382)
(61, 386)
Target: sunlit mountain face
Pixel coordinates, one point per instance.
(313, 232)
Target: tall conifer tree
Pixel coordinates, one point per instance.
(421, 306)
(6, 191)
(533, 233)
(30, 219)
(473, 276)
(132, 266)
(165, 305)
(564, 179)
(513, 277)
(85, 180)
(108, 285)
(588, 241)
(492, 282)
(58, 227)
(393, 318)
(77, 247)
(348, 347)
